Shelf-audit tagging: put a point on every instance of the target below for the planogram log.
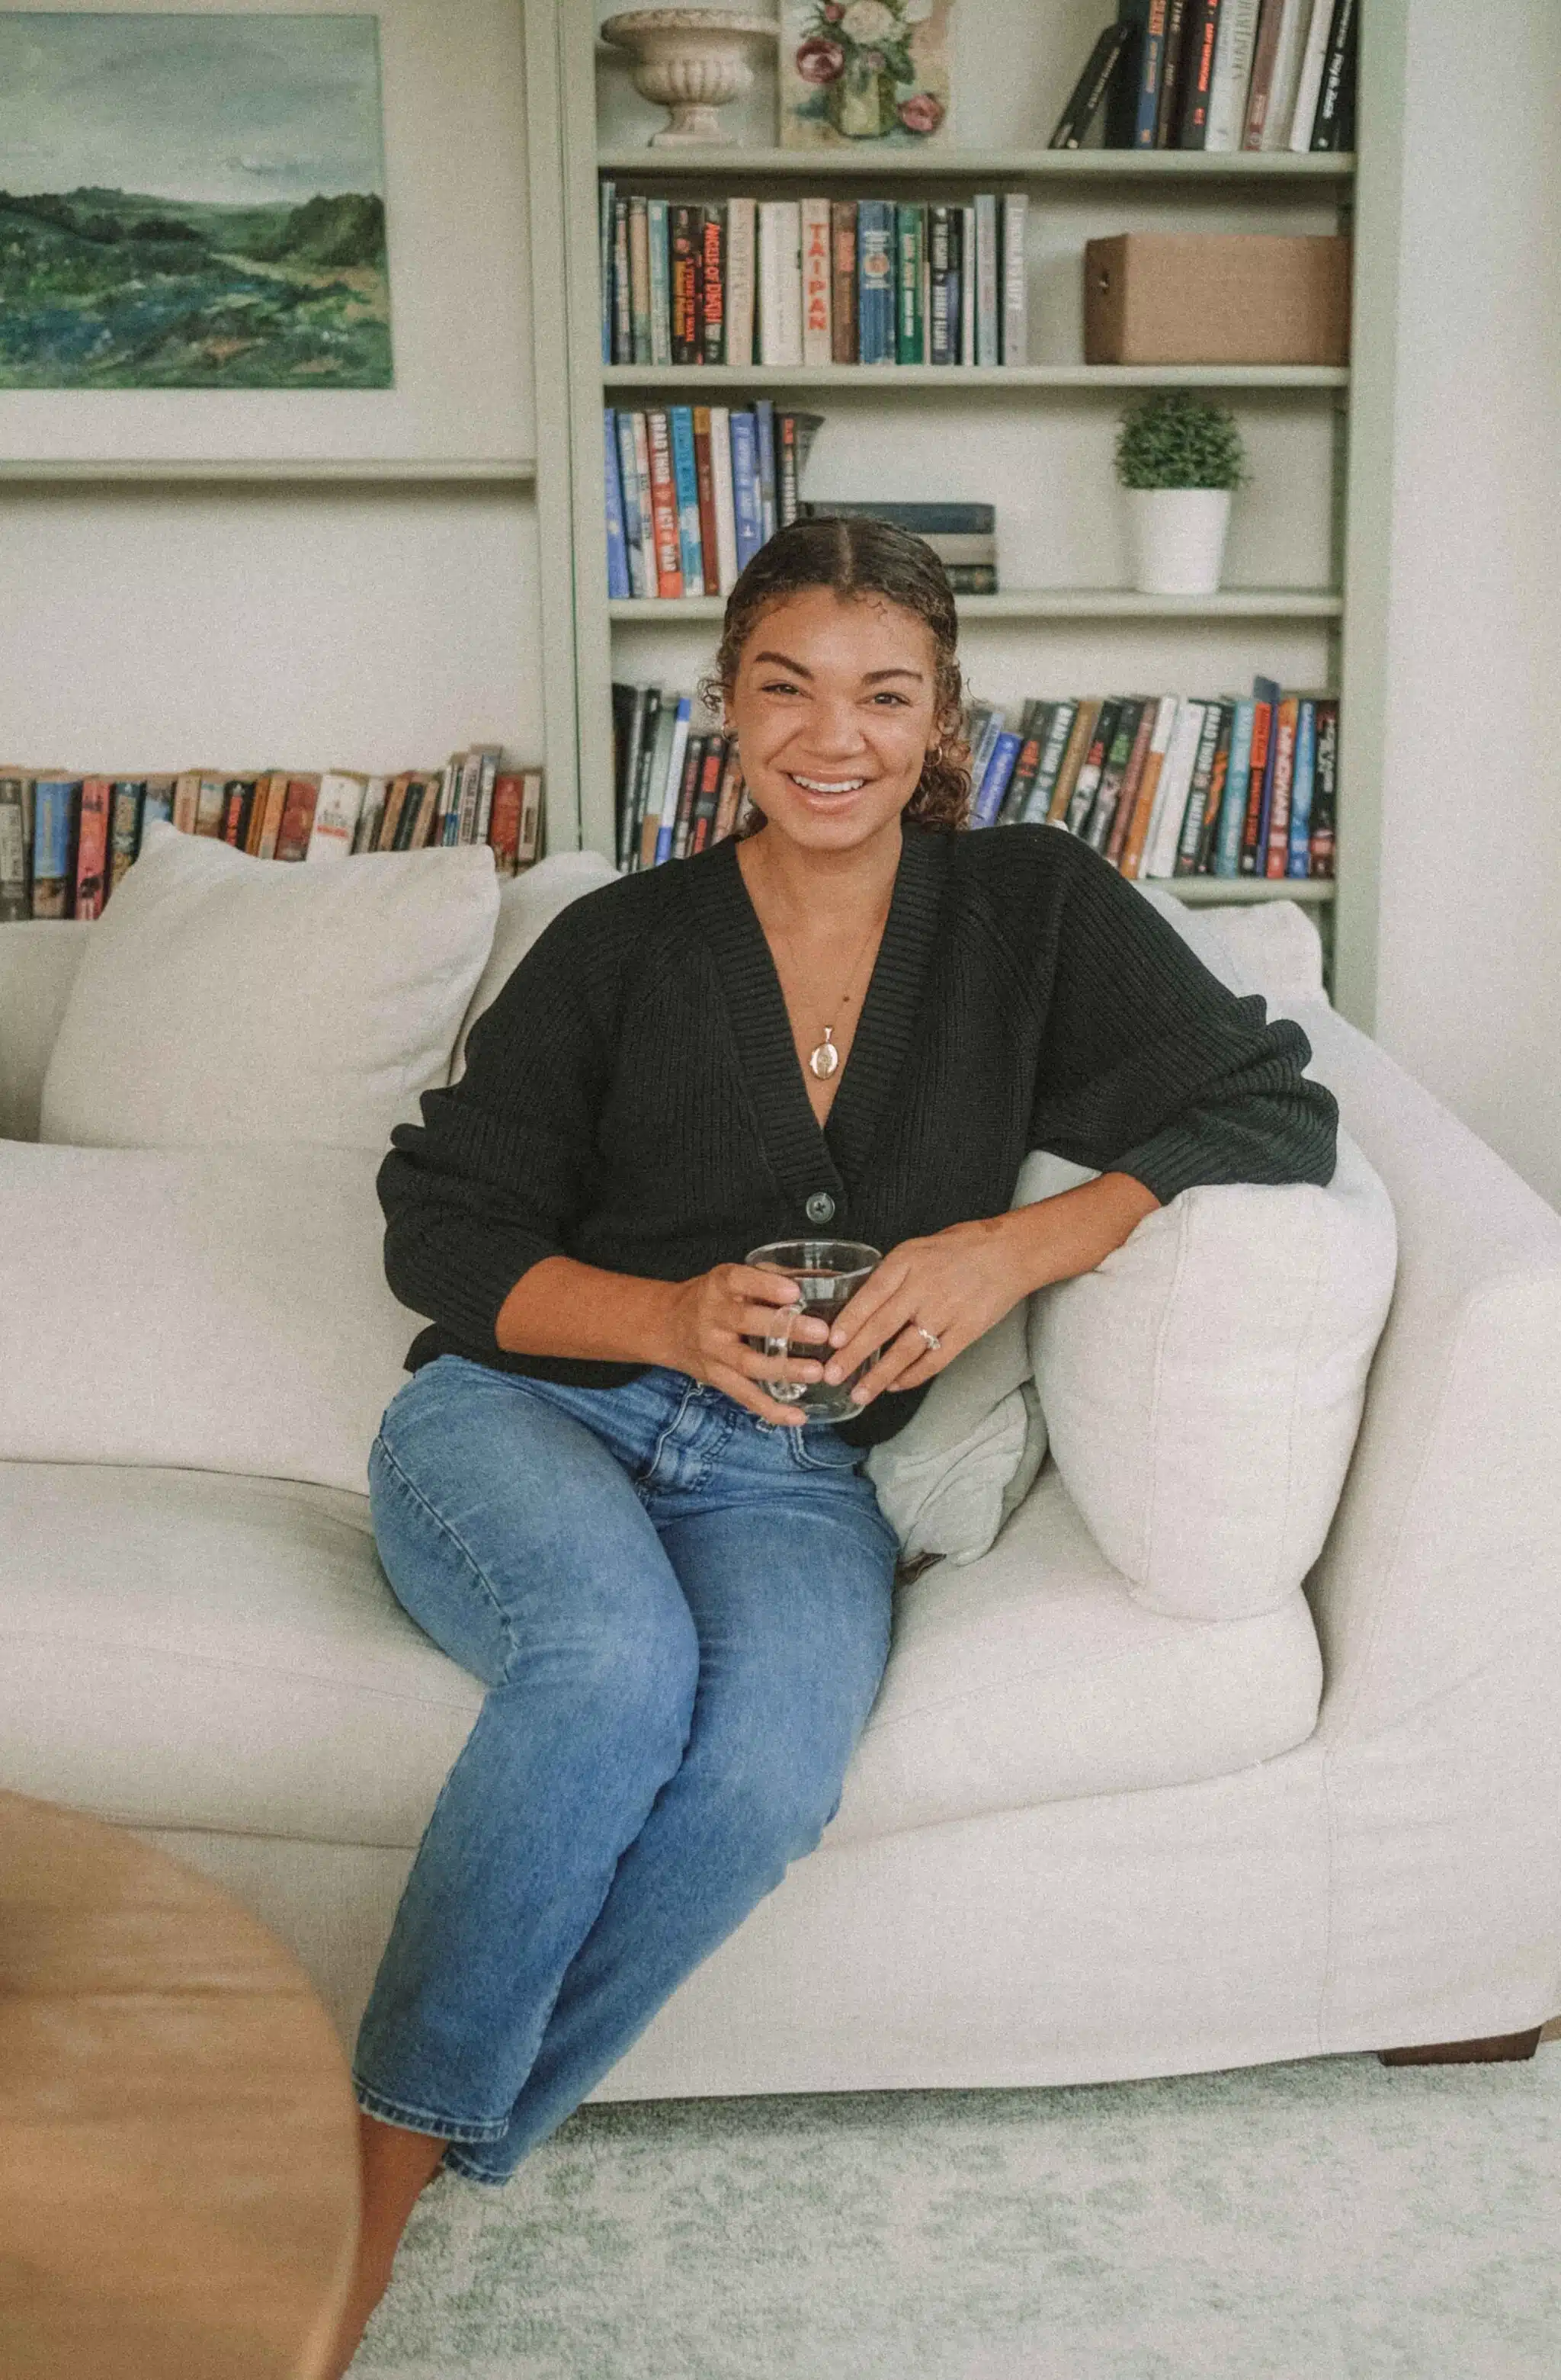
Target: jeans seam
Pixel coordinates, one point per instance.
(465, 1552)
(425, 2119)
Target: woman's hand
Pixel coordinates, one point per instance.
(712, 1317)
(960, 1280)
(957, 1281)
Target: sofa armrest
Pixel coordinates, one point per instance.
(39, 957)
(1443, 1560)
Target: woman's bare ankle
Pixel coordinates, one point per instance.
(396, 2166)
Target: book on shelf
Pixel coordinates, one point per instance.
(1219, 75)
(694, 491)
(1167, 785)
(814, 281)
(67, 842)
(677, 782)
(963, 536)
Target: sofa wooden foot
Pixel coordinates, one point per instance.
(1459, 2053)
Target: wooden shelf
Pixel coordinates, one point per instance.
(1199, 889)
(1050, 603)
(954, 380)
(1014, 164)
(516, 471)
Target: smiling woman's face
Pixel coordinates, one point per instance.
(834, 708)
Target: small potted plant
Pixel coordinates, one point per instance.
(1178, 455)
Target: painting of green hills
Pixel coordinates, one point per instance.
(192, 202)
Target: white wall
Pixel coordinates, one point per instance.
(147, 628)
(1469, 968)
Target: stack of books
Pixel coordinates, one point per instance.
(1220, 73)
(65, 842)
(694, 491)
(1170, 784)
(814, 281)
(963, 536)
(677, 781)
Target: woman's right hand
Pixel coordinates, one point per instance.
(711, 1319)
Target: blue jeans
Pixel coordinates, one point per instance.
(681, 1617)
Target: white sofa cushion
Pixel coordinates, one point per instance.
(1202, 1386)
(225, 1310)
(179, 1649)
(527, 903)
(226, 1000)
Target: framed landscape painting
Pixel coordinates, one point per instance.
(192, 202)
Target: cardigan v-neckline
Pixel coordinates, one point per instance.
(808, 1156)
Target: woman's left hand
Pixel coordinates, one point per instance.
(957, 1282)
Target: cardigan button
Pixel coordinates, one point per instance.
(820, 1208)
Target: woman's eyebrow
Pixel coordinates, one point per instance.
(786, 662)
(869, 677)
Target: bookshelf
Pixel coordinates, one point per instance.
(1035, 439)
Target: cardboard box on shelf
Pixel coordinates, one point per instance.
(1176, 297)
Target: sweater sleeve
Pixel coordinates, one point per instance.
(502, 1163)
(1150, 1066)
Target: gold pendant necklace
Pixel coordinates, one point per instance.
(823, 1061)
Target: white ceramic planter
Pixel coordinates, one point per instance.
(1178, 539)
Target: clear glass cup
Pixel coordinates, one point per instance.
(826, 1273)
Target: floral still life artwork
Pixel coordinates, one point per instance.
(861, 70)
(191, 201)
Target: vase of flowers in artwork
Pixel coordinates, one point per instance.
(867, 69)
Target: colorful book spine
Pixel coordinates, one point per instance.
(673, 786)
(639, 281)
(660, 282)
(967, 284)
(638, 535)
(1037, 802)
(764, 441)
(909, 237)
(779, 300)
(1227, 852)
(623, 318)
(842, 281)
(712, 284)
(726, 517)
(989, 326)
(1016, 284)
(663, 503)
(683, 245)
(1276, 843)
(747, 511)
(741, 282)
(1151, 62)
(704, 476)
(995, 778)
(1232, 71)
(1298, 862)
(1197, 80)
(1265, 729)
(617, 546)
(605, 196)
(875, 281)
(1323, 788)
(817, 284)
(686, 488)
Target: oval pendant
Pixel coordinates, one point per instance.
(824, 1060)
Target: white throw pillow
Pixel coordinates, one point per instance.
(220, 1310)
(1202, 1386)
(949, 1479)
(527, 903)
(228, 1001)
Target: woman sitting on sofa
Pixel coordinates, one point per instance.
(849, 1019)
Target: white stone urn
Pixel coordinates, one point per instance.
(693, 61)
(1177, 538)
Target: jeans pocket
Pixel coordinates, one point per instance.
(819, 1446)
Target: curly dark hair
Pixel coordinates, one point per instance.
(854, 557)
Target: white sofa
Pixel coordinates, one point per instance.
(1080, 1841)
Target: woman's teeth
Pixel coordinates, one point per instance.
(819, 785)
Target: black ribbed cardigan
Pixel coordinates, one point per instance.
(632, 1096)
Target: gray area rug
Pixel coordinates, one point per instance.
(1328, 2219)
